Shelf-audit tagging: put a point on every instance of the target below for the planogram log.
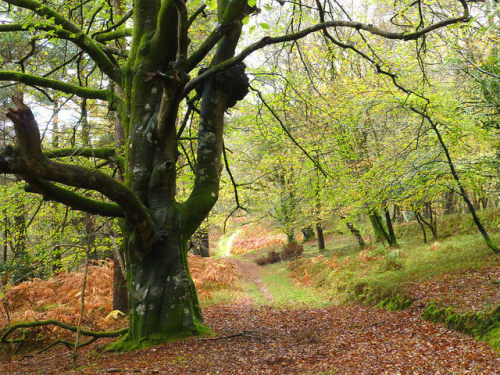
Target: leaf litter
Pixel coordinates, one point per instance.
(254, 339)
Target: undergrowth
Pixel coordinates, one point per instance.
(379, 272)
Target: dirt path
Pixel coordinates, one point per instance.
(250, 273)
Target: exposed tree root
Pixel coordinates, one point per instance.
(70, 345)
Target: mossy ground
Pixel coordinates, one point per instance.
(126, 344)
(483, 326)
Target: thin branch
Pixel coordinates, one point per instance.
(107, 153)
(82, 308)
(266, 41)
(314, 161)
(41, 323)
(115, 25)
(197, 12)
(235, 185)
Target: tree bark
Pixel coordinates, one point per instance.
(357, 234)
(448, 202)
(378, 227)
(321, 237)
(163, 303)
(120, 293)
(392, 236)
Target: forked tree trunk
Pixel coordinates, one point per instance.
(390, 229)
(356, 233)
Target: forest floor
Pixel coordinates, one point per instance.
(273, 326)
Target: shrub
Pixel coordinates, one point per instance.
(290, 251)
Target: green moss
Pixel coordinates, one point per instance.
(484, 326)
(126, 344)
(492, 337)
(396, 303)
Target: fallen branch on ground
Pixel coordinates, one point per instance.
(31, 324)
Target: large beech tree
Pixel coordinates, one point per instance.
(148, 84)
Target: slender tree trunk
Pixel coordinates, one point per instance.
(355, 231)
(120, 294)
(456, 177)
(417, 216)
(390, 229)
(321, 237)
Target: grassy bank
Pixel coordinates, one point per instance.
(416, 274)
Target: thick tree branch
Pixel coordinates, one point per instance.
(113, 35)
(182, 35)
(36, 165)
(106, 153)
(207, 45)
(52, 192)
(68, 88)
(210, 133)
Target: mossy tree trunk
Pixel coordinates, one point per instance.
(379, 229)
(357, 234)
(162, 297)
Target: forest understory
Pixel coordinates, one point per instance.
(266, 320)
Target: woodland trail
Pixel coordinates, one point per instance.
(258, 339)
(250, 274)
